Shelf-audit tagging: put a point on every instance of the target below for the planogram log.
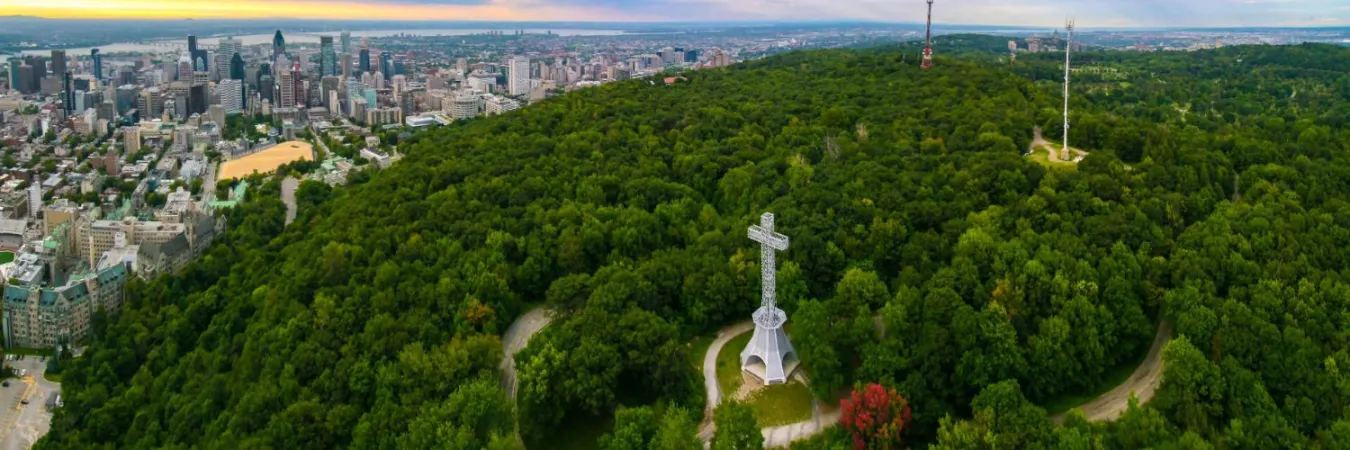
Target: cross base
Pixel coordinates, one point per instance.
(769, 356)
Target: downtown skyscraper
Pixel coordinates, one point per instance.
(327, 57)
(98, 63)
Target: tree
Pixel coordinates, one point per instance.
(875, 417)
(736, 427)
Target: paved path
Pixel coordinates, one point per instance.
(779, 436)
(515, 338)
(288, 187)
(1143, 383)
(22, 425)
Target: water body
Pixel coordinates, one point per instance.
(176, 44)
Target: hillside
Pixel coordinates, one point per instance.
(373, 320)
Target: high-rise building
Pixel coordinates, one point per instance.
(278, 45)
(131, 139)
(59, 64)
(236, 67)
(232, 95)
(14, 81)
(518, 76)
(327, 57)
(346, 62)
(346, 41)
(230, 47)
(462, 65)
(67, 93)
(198, 99)
(98, 63)
(386, 65)
(298, 86)
(285, 89)
(364, 61)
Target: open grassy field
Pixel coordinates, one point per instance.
(6, 257)
(1042, 157)
(266, 160)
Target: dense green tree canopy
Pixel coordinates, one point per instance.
(927, 254)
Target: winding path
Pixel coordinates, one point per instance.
(1143, 383)
(515, 338)
(288, 187)
(779, 436)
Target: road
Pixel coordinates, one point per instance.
(288, 187)
(1143, 383)
(22, 425)
(515, 339)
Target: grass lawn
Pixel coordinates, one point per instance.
(52, 377)
(782, 404)
(697, 349)
(1113, 377)
(729, 364)
(6, 257)
(1042, 157)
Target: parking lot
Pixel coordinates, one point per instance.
(21, 425)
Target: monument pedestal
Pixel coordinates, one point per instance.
(769, 356)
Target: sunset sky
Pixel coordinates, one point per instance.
(1098, 13)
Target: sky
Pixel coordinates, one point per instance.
(1088, 13)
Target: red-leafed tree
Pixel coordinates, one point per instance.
(876, 417)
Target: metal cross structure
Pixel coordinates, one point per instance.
(1068, 44)
(928, 40)
(769, 345)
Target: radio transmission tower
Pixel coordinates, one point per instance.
(928, 39)
(1068, 44)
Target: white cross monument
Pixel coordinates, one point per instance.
(769, 356)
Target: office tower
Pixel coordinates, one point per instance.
(346, 41)
(298, 86)
(192, 45)
(236, 67)
(398, 66)
(286, 88)
(198, 99)
(267, 87)
(386, 65)
(230, 47)
(14, 80)
(59, 63)
(67, 93)
(364, 61)
(216, 114)
(327, 57)
(346, 63)
(328, 84)
(518, 76)
(354, 92)
(98, 64)
(232, 95)
(278, 45)
(126, 98)
(462, 65)
(222, 66)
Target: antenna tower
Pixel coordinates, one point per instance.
(1068, 44)
(928, 39)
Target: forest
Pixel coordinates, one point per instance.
(1213, 199)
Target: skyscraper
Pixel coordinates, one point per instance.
(67, 93)
(363, 63)
(266, 83)
(14, 64)
(386, 65)
(98, 64)
(230, 47)
(298, 86)
(346, 63)
(346, 41)
(327, 57)
(518, 78)
(196, 55)
(58, 63)
(278, 45)
(232, 95)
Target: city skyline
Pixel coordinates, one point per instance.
(1097, 13)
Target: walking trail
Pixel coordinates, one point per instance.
(1143, 383)
(779, 436)
(288, 187)
(515, 338)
